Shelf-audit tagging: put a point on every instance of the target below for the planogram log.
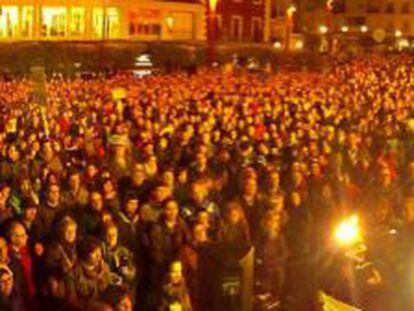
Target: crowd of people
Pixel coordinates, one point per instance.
(106, 203)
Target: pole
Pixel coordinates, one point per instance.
(289, 26)
(329, 24)
(211, 33)
(288, 30)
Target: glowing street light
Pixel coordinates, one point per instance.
(277, 45)
(348, 233)
(323, 29)
(299, 45)
(170, 22)
(398, 33)
(364, 29)
(211, 35)
(290, 11)
(344, 28)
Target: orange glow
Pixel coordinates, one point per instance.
(213, 5)
(290, 11)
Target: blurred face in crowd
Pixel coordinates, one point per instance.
(108, 187)
(26, 186)
(4, 196)
(168, 178)
(53, 195)
(111, 236)
(131, 207)
(124, 305)
(161, 193)
(74, 181)
(6, 282)
(151, 167)
(91, 171)
(138, 174)
(70, 233)
(95, 257)
(198, 192)
(171, 211)
(182, 177)
(200, 234)
(385, 176)
(201, 162)
(106, 217)
(203, 217)
(233, 214)
(13, 154)
(272, 222)
(47, 151)
(316, 170)
(4, 253)
(250, 187)
(18, 237)
(176, 272)
(96, 201)
(295, 199)
(274, 181)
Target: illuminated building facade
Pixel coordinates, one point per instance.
(389, 16)
(243, 20)
(88, 20)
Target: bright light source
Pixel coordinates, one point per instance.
(299, 45)
(403, 43)
(170, 22)
(398, 33)
(277, 45)
(347, 233)
(345, 29)
(323, 29)
(364, 29)
(290, 11)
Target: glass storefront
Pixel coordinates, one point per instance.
(27, 21)
(77, 21)
(54, 21)
(113, 23)
(97, 22)
(9, 21)
(106, 23)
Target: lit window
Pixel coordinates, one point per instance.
(54, 21)
(97, 22)
(9, 20)
(148, 23)
(27, 21)
(112, 23)
(77, 21)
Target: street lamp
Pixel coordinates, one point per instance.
(323, 29)
(398, 33)
(169, 20)
(348, 233)
(277, 45)
(290, 11)
(364, 29)
(344, 28)
(211, 26)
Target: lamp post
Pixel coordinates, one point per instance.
(329, 9)
(211, 30)
(290, 11)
